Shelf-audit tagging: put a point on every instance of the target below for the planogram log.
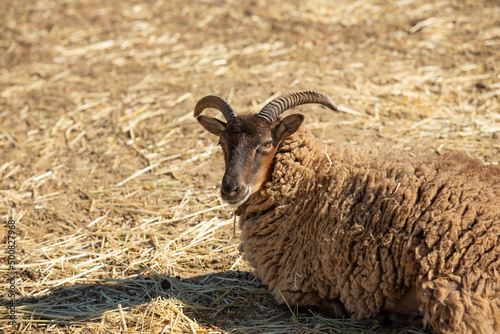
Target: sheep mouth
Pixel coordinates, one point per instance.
(240, 200)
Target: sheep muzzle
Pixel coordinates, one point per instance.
(233, 192)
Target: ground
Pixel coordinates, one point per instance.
(111, 186)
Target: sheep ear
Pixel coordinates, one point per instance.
(212, 125)
(288, 126)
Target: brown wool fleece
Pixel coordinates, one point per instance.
(363, 227)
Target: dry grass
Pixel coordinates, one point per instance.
(112, 184)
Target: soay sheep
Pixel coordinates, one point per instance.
(374, 231)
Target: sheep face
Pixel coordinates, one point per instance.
(249, 144)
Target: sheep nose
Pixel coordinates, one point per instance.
(231, 187)
(231, 190)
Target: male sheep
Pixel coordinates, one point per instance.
(376, 231)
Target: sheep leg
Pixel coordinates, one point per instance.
(405, 311)
(450, 308)
(330, 308)
(304, 301)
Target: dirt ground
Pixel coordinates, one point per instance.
(113, 185)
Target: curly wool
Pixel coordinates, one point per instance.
(364, 227)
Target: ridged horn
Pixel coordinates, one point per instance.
(216, 102)
(276, 107)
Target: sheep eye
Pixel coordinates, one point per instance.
(221, 145)
(267, 144)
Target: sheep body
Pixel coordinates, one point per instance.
(366, 227)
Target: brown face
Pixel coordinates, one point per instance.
(249, 144)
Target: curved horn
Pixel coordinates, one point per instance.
(216, 102)
(273, 109)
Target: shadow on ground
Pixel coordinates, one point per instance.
(225, 301)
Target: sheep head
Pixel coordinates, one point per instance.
(250, 142)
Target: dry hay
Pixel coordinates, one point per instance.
(112, 183)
